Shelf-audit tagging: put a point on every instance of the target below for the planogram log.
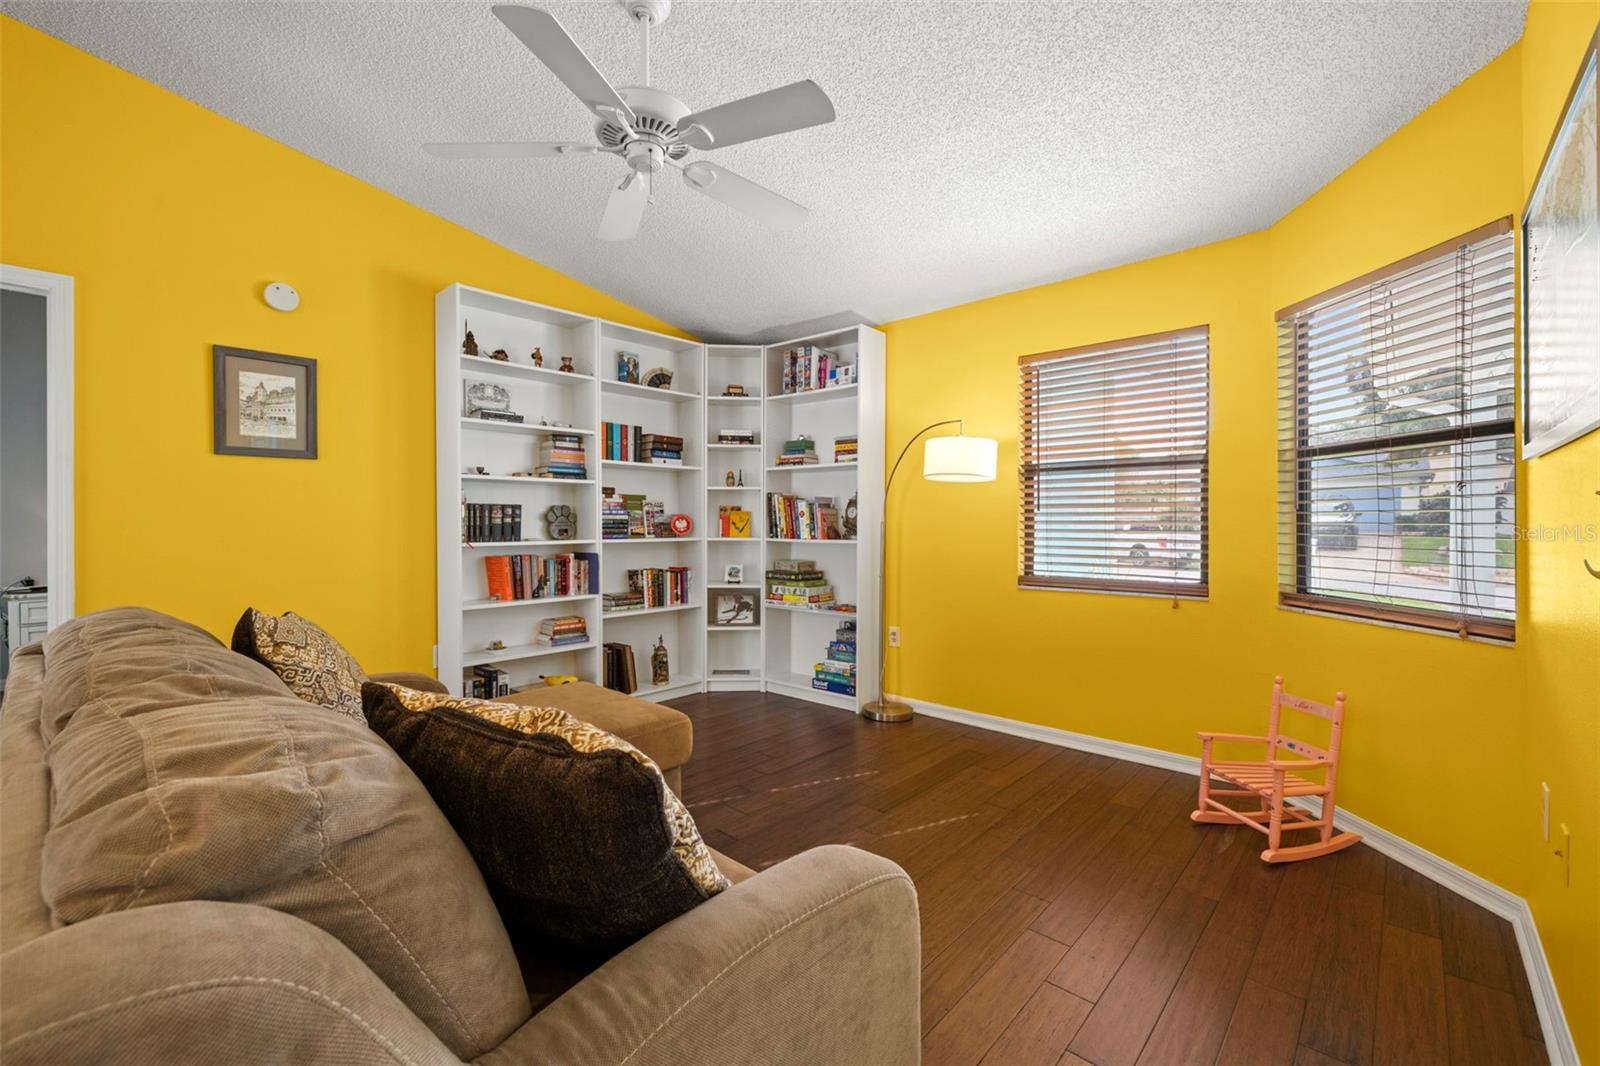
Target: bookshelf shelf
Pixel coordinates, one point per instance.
(618, 541)
(507, 478)
(523, 651)
(631, 465)
(639, 612)
(810, 468)
(776, 655)
(501, 545)
(520, 427)
(542, 601)
(837, 392)
(625, 388)
(485, 367)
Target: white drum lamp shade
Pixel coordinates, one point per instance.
(960, 458)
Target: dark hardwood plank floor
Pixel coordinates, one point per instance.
(1071, 912)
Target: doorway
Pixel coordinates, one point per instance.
(37, 587)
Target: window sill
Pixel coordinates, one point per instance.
(1392, 623)
(1197, 594)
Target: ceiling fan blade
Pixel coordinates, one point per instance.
(793, 107)
(741, 194)
(507, 150)
(624, 210)
(545, 38)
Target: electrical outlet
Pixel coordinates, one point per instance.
(894, 636)
(1544, 818)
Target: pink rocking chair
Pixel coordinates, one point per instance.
(1275, 780)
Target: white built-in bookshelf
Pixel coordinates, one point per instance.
(778, 652)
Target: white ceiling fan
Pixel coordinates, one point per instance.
(653, 130)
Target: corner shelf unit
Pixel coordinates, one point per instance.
(776, 655)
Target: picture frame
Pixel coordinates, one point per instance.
(733, 573)
(263, 404)
(735, 608)
(1561, 275)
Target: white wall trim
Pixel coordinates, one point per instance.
(61, 559)
(1513, 908)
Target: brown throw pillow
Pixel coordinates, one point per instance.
(305, 657)
(577, 834)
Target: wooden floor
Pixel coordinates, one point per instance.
(1072, 913)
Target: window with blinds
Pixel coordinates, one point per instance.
(1114, 451)
(1397, 458)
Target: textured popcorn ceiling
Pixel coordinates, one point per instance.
(980, 147)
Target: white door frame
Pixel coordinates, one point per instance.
(60, 558)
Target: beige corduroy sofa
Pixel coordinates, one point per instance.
(196, 867)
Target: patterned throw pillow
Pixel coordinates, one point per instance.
(575, 830)
(311, 663)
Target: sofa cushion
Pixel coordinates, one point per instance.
(305, 657)
(666, 735)
(187, 772)
(582, 841)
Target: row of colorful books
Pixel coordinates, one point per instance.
(807, 368)
(561, 455)
(561, 632)
(802, 451)
(800, 518)
(844, 449)
(484, 523)
(837, 672)
(798, 583)
(631, 444)
(537, 577)
(655, 586)
(629, 516)
(736, 436)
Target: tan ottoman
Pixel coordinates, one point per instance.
(666, 735)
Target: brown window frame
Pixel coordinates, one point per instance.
(1296, 451)
(1028, 470)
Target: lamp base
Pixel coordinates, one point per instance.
(888, 711)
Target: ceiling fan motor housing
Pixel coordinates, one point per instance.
(655, 137)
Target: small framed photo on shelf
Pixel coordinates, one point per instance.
(733, 573)
(735, 607)
(263, 404)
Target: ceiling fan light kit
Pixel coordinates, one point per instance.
(651, 129)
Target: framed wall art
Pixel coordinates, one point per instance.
(1561, 280)
(263, 404)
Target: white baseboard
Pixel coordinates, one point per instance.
(1508, 905)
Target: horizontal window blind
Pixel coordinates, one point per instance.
(1397, 449)
(1114, 452)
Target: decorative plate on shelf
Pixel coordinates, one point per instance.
(658, 377)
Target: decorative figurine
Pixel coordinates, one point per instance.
(469, 345)
(481, 471)
(566, 366)
(561, 522)
(500, 355)
(741, 478)
(734, 390)
(495, 645)
(538, 357)
(729, 479)
(850, 519)
(559, 679)
(628, 368)
(658, 662)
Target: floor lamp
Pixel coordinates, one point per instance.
(960, 458)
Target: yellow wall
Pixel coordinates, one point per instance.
(1448, 739)
(171, 218)
(1561, 608)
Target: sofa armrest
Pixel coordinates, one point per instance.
(201, 982)
(816, 960)
(411, 679)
